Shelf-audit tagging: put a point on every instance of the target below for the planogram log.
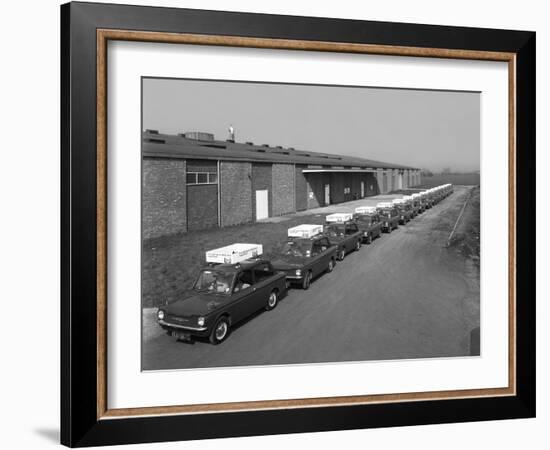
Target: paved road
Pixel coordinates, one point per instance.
(404, 296)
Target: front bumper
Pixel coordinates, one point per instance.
(294, 278)
(184, 329)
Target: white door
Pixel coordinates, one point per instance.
(362, 189)
(262, 205)
(327, 194)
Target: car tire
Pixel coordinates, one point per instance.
(220, 331)
(330, 266)
(306, 282)
(272, 300)
(358, 245)
(341, 254)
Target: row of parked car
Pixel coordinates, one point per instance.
(237, 282)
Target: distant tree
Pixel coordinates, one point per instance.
(446, 170)
(427, 173)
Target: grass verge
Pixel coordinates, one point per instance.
(467, 235)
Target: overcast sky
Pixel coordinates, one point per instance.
(427, 129)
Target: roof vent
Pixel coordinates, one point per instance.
(279, 146)
(249, 143)
(265, 145)
(155, 141)
(152, 131)
(198, 136)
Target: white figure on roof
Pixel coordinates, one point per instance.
(231, 133)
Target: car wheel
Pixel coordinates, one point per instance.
(272, 300)
(330, 266)
(306, 281)
(358, 245)
(220, 330)
(342, 254)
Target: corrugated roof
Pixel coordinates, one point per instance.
(177, 146)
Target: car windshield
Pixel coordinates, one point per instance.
(297, 247)
(214, 281)
(366, 220)
(335, 230)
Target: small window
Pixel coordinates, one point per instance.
(316, 249)
(202, 177)
(245, 279)
(350, 229)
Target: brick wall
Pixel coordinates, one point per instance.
(315, 190)
(235, 192)
(301, 189)
(283, 189)
(202, 206)
(337, 184)
(262, 180)
(164, 209)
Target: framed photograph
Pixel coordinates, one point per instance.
(277, 224)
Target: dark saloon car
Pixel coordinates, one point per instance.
(303, 259)
(405, 212)
(224, 294)
(389, 217)
(369, 225)
(415, 201)
(346, 235)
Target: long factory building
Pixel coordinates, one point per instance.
(191, 181)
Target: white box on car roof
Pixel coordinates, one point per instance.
(234, 253)
(365, 210)
(339, 217)
(305, 231)
(385, 205)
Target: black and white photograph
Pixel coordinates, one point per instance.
(303, 224)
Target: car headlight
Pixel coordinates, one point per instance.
(298, 273)
(160, 314)
(200, 321)
(365, 233)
